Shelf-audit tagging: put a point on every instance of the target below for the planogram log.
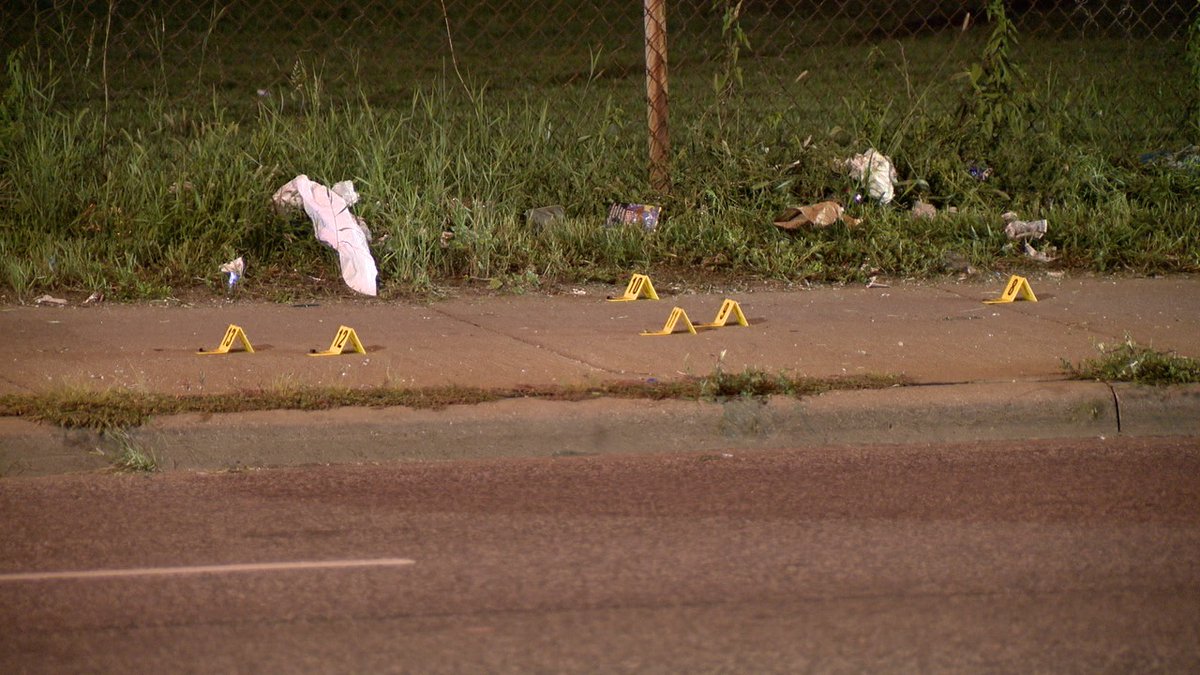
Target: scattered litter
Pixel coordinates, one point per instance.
(821, 214)
(646, 215)
(578, 291)
(345, 190)
(1186, 158)
(334, 225)
(235, 269)
(49, 300)
(871, 283)
(877, 171)
(922, 210)
(95, 298)
(979, 172)
(545, 216)
(1023, 229)
(1044, 257)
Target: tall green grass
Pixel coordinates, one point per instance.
(150, 193)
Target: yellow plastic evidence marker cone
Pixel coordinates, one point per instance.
(676, 314)
(345, 334)
(1017, 287)
(728, 308)
(639, 285)
(232, 333)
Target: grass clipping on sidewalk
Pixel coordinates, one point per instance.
(1131, 362)
(121, 409)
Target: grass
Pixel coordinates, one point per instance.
(1131, 362)
(146, 190)
(132, 458)
(123, 409)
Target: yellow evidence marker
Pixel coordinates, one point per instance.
(639, 284)
(345, 334)
(1018, 287)
(728, 308)
(676, 314)
(232, 333)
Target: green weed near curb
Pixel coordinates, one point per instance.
(132, 458)
(1130, 362)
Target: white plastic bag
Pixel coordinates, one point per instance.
(878, 172)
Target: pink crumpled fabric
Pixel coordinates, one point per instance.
(335, 226)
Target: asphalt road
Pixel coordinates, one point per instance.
(1049, 556)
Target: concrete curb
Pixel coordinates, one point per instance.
(533, 428)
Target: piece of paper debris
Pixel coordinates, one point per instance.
(49, 300)
(821, 214)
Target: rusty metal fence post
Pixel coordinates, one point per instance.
(656, 94)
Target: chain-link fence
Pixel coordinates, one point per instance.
(773, 56)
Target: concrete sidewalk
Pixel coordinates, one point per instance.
(986, 358)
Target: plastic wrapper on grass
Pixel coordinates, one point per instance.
(235, 269)
(545, 216)
(646, 215)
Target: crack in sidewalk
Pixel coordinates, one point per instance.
(1069, 324)
(538, 345)
(1116, 404)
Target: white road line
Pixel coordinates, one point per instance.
(205, 569)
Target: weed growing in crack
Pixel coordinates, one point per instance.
(1131, 362)
(132, 457)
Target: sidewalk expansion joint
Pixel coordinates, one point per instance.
(533, 343)
(1116, 404)
(1060, 322)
